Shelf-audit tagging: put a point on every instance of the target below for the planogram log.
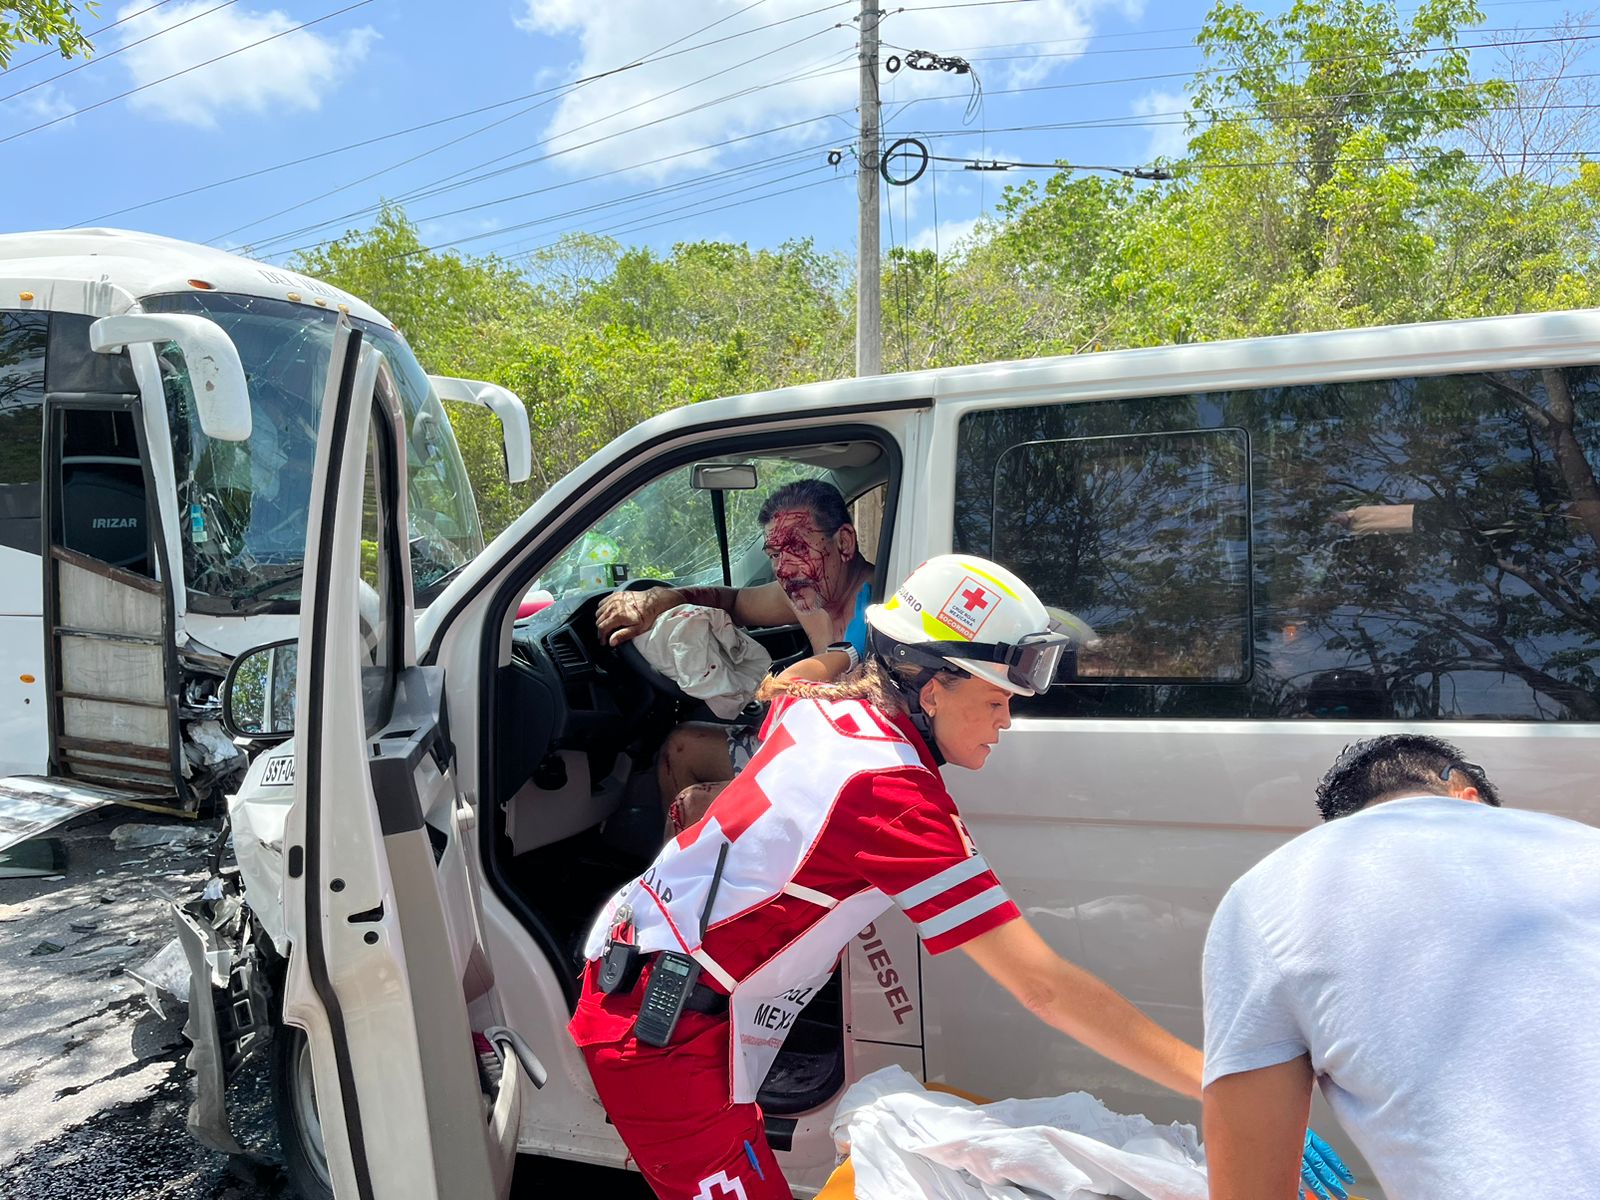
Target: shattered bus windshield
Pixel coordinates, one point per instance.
(243, 506)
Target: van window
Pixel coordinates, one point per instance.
(1418, 548)
(23, 336)
(1145, 537)
(666, 531)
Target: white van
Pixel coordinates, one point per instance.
(1284, 544)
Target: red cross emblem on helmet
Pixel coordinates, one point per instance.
(969, 606)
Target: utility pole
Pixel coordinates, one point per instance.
(869, 291)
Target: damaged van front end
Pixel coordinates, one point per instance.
(235, 944)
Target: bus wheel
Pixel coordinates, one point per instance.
(294, 1101)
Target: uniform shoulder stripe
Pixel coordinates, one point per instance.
(937, 885)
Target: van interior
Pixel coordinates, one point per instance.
(577, 725)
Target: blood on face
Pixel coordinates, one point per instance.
(806, 562)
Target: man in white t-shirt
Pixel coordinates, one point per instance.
(1433, 961)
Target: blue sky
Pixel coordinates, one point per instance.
(722, 131)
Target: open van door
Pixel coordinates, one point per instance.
(388, 974)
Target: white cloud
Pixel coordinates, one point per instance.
(1166, 140)
(291, 73)
(947, 238)
(47, 104)
(787, 82)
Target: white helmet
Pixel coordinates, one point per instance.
(959, 611)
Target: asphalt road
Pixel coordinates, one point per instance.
(93, 1089)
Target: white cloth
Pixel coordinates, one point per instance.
(906, 1143)
(1439, 961)
(708, 656)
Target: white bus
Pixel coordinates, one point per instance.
(1284, 544)
(159, 404)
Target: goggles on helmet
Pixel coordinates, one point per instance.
(1029, 663)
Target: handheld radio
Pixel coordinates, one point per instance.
(673, 978)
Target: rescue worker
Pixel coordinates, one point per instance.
(698, 968)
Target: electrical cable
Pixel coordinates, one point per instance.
(685, 185)
(817, 68)
(11, 137)
(455, 212)
(649, 59)
(965, 4)
(1056, 87)
(1186, 167)
(607, 174)
(100, 58)
(439, 186)
(668, 220)
(97, 32)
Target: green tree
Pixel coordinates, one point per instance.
(44, 22)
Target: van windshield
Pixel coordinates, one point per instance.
(243, 506)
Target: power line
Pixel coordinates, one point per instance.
(1413, 50)
(1184, 167)
(443, 185)
(700, 179)
(11, 137)
(1142, 121)
(98, 31)
(683, 186)
(551, 218)
(967, 4)
(707, 212)
(649, 59)
(1088, 83)
(544, 141)
(607, 174)
(100, 58)
(815, 69)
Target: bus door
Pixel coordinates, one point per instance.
(108, 602)
(389, 977)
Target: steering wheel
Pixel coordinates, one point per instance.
(629, 654)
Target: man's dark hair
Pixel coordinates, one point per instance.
(825, 502)
(1396, 763)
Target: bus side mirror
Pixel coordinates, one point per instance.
(506, 405)
(221, 395)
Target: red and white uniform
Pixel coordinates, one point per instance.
(840, 814)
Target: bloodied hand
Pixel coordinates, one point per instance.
(811, 566)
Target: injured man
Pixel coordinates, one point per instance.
(821, 582)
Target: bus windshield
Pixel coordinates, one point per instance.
(243, 506)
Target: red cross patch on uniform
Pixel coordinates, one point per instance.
(969, 606)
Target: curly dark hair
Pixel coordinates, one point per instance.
(1395, 762)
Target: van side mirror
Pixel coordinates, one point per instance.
(221, 394)
(258, 695)
(506, 405)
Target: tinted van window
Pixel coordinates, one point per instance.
(1424, 548)
(1145, 537)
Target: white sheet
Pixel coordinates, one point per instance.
(907, 1143)
(708, 656)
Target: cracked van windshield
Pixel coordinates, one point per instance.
(243, 505)
(666, 531)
